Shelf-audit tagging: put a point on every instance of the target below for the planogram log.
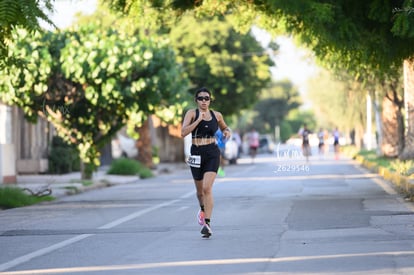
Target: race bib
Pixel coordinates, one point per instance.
(194, 161)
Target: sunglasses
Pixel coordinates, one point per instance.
(201, 98)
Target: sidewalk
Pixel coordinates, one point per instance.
(71, 183)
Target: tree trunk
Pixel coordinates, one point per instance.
(144, 144)
(408, 151)
(378, 125)
(86, 171)
(390, 135)
(359, 136)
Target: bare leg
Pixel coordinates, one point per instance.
(199, 190)
(252, 153)
(306, 151)
(207, 193)
(336, 151)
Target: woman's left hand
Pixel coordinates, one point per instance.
(227, 133)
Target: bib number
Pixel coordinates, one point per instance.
(194, 161)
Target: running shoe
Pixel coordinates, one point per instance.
(206, 231)
(200, 217)
(221, 172)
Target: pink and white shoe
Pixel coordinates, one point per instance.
(200, 217)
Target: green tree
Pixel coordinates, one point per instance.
(19, 14)
(150, 23)
(274, 105)
(376, 34)
(233, 65)
(90, 82)
(337, 103)
(285, 131)
(382, 85)
(297, 117)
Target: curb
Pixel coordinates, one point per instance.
(59, 186)
(73, 190)
(404, 184)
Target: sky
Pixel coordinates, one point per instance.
(66, 9)
(292, 62)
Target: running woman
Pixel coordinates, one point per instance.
(204, 160)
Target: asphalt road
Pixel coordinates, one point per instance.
(278, 215)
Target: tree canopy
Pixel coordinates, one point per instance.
(336, 102)
(233, 65)
(372, 32)
(20, 14)
(90, 82)
(368, 36)
(274, 105)
(363, 36)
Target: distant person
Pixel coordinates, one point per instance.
(304, 133)
(322, 143)
(253, 141)
(336, 136)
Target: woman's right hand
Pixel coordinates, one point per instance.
(201, 116)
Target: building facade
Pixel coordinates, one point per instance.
(24, 146)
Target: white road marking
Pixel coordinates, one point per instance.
(43, 251)
(49, 249)
(212, 262)
(182, 208)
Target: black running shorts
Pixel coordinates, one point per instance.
(210, 159)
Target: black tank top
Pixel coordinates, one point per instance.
(205, 129)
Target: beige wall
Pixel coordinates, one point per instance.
(7, 163)
(7, 147)
(31, 143)
(25, 145)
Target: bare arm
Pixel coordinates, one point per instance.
(188, 124)
(222, 125)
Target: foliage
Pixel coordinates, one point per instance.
(125, 166)
(233, 65)
(285, 131)
(372, 156)
(87, 182)
(63, 157)
(90, 82)
(148, 24)
(373, 33)
(275, 103)
(155, 155)
(337, 103)
(147, 17)
(241, 122)
(23, 14)
(11, 197)
(371, 37)
(350, 150)
(402, 167)
(297, 117)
